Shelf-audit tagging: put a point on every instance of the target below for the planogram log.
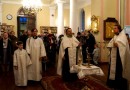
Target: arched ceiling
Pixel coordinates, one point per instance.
(44, 1)
(49, 2)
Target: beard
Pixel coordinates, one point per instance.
(69, 36)
(116, 33)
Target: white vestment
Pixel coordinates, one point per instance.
(36, 49)
(124, 52)
(72, 43)
(21, 60)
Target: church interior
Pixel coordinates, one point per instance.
(54, 16)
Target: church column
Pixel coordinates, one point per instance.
(73, 16)
(0, 13)
(52, 16)
(122, 12)
(127, 12)
(118, 10)
(60, 23)
(0, 16)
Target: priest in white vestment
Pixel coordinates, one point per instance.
(36, 50)
(21, 62)
(67, 56)
(118, 74)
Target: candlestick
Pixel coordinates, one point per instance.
(88, 60)
(79, 62)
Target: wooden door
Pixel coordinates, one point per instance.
(25, 23)
(31, 22)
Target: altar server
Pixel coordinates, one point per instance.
(36, 50)
(21, 62)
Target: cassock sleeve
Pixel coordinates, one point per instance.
(93, 51)
(28, 60)
(110, 44)
(28, 45)
(15, 63)
(42, 48)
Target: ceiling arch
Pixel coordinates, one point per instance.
(47, 2)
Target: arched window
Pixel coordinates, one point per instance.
(82, 19)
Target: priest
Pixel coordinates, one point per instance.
(36, 50)
(118, 73)
(67, 56)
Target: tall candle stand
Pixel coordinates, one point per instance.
(88, 60)
(79, 62)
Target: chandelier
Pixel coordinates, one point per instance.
(32, 6)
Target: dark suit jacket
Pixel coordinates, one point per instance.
(9, 50)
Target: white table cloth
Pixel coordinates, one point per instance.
(84, 70)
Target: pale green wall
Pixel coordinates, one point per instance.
(66, 16)
(87, 10)
(10, 9)
(122, 12)
(110, 8)
(96, 7)
(43, 18)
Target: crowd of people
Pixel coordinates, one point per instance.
(30, 49)
(24, 55)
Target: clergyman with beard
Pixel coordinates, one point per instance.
(119, 72)
(67, 56)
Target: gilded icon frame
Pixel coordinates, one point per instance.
(108, 28)
(95, 24)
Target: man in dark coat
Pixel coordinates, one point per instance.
(6, 52)
(90, 43)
